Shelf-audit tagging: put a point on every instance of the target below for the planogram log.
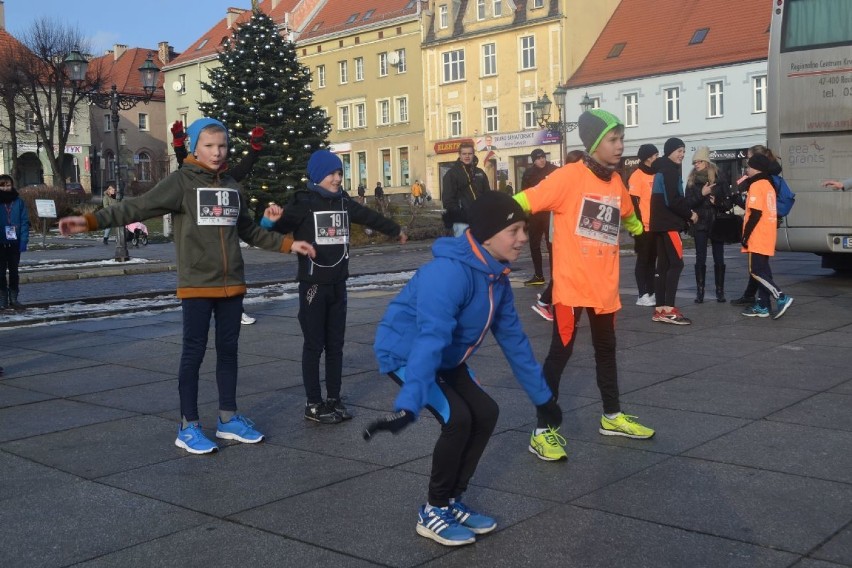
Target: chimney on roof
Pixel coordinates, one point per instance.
(233, 14)
(2, 16)
(164, 52)
(117, 50)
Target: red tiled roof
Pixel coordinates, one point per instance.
(124, 71)
(656, 36)
(8, 43)
(335, 16)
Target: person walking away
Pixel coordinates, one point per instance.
(417, 193)
(670, 214)
(539, 222)
(210, 218)
(589, 203)
(639, 186)
(759, 235)
(108, 201)
(13, 241)
(463, 184)
(425, 343)
(322, 215)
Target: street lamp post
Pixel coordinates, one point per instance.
(76, 66)
(542, 109)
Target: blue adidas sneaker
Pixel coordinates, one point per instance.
(193, 440)
(784, 302)
(238, 428)
(441, 525)
(476, 522)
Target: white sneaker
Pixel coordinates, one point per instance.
(247, 319)
(646, 300)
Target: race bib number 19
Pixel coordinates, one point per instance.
(599, 221)
(332, 227)
(218, 206)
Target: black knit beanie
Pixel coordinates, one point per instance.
(492, 212)
(646, 151)
(760, 163)
(593, 125)
(672, 144)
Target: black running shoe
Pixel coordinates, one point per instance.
(322, 413)
(337, 405)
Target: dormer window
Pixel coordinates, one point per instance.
(368, 14)
(202, 44)
(699, 36)
(352, 18)
(616, 50)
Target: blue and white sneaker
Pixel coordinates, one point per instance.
(193, 440)
(238, 428)
(784, 302)
(441, 525)
(756, 311)
(476, 522)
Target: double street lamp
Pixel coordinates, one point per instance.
(542, 109)
(76, 66)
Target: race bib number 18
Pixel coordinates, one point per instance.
(599, 221)
(218, 206)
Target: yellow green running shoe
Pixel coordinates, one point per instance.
(624, 425)
(548, 445)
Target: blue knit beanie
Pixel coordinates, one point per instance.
(321, 164)
(196, 127)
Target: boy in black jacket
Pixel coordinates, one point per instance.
(321, 215)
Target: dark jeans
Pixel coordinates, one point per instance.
(10, 258)
(758, 267)
(701, 240)
(562, 346)
(196, 325)
(646, 261)
(322, 315)
(669, 267)
(539, 225)
(472, 418)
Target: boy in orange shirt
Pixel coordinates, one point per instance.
(759, 235)
(586, 224)
(639, 185)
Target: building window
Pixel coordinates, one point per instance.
(383, 64)
(183, 118)
(403, 166)
(698, 36)
(383, 111)
(320, 76)
(143, 166)
(538, 3)
(344, 71)
(616, 50)
(491, 119)
(360, 115)
(672, 101)
(182, 80)
(109, 159)
(528, 52)
(401, 66)
(143, 121)
(386, 167)
(359, 68)
(345, 119)
(529, 115)
(758, 85)
(480, 9)
(30, 122)
(443, 16)
(715, 102)
(631, 109)
(489, 59)
(497, 8)
(108, 123)
(453, 65)
(402, 109)
(454, 124)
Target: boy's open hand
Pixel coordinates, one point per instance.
(71, 225)
(303, 247)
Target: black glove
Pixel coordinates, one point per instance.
(745, 242)
(549, 413)
(393, 423)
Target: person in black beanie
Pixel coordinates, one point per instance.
(463, 184)
(539, 222)
(425, 340)
(13, 240)
(639, 185)
(670, 214)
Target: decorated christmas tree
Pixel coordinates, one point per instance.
(261, 83)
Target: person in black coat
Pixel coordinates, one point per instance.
(539, 222)
(463, 183)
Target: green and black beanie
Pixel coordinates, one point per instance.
(593, 126)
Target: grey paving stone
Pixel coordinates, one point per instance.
(348, 516)
(239, 477)
(80, 521)
(717, 397)
(838, 548)
(127, 352)
(844, 388)
(98, 377)
(739, 329)
(826, 410)
(571, 536)
(809, 563)
(22, 477)
(837, 339)
(836, 360)
(155, 331)
(730, 501)
(30, 362)
(722, 348)
(643, 360)
(224, 544)
(53, 416)
(13, 396)
(169, 361)
(789, 448)
(103, 449)
(772, 373)
(151, 398)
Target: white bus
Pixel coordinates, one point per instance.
(809, 122)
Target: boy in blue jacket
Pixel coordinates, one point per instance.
(425, 339)
(13, 240)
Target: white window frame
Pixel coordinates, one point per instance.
(480, 10)
(538, 4)
(454, 123)
(527, 52)
(359, 69)
(402, 66)
(671, 104)
(344, 117)
(631, 110)
(182, 80)
(383, 112)
(360, 112)
(453, 66)
(320, 76)
(383, 64)
(143, 166)
(443, 16)
(491, 120)
(143, 123)
(497, 8)
(715, 99)
(401, 106)
(343, 71)
(758, 88)
(489, 60)
(108, 123)
(528, 112)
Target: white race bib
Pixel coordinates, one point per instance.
(218, 206)
(11, 234)
(332, 227)
(599, 221)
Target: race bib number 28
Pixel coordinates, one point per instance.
(218, 206)
(599, 221)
